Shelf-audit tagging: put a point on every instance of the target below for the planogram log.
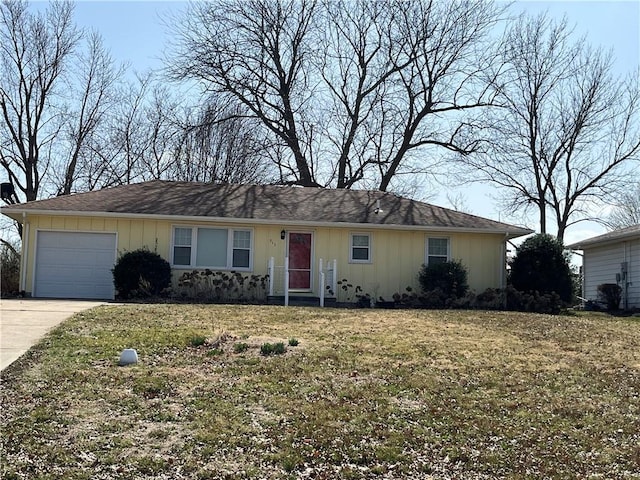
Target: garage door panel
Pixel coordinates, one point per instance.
(62, 257)
(75, 290)
(66, 274)
(75, 265)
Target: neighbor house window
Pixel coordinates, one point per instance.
(437, 250)
(212, 248)
(360, 250)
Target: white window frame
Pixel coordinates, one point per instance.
(428, 256)
(194, 248)
(175, 245)
(352, 246)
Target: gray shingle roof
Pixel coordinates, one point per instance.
(632, 232)
(264, 203)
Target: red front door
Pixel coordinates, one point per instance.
(299, 261)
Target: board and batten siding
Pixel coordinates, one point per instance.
(397, 255)
(602, 263)
(131, 234)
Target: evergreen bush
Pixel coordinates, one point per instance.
(447, 279)
(541, 266)
(141, 273)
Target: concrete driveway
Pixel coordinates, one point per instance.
(25, 321)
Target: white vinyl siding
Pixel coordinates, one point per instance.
(438, 250)
(219, 248)
(633, 273)
(601, 264)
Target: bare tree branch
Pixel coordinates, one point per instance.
(567, 133)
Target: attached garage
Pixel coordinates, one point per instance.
(74, 265)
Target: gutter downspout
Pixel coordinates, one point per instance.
(24, 254)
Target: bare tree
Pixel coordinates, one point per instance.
(85, 125)
(566, 133)
(355, 91)
(161, 132)
(626, 210)
(437, 91)
(157, 137)
(255, 50)
(129, 131)
(36, 52)
(358, 61)
(220, 145)
(55, 94)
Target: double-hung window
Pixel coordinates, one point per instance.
(360, 249)
(222, 248)
(241, 254)
(182, 246)
(437, 250)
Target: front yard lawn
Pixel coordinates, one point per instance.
(355, 394)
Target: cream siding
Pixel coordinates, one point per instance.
(397, 255)
(601, 264)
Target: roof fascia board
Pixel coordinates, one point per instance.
(588, 244)
(16, 214)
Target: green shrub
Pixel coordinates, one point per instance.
(434, 298)
(542, 303)
(610, 294)
(272, 349)
(240, 347)
(541, 266)
(197, 340)
(141, 273)
(442, 281)
(293, 342)
(511, 299)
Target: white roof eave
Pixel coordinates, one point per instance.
(17, 214)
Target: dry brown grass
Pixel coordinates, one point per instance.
(366, 394)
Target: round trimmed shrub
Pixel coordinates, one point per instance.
(448, 277)
(540, 265)
(141, 273)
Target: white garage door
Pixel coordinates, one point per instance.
(75, 265)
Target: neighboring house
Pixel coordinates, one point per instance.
(612, 258)
(375, 240)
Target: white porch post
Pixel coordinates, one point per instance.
(286, 281)
(334, 281)
(321, 286)
(271, 269)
